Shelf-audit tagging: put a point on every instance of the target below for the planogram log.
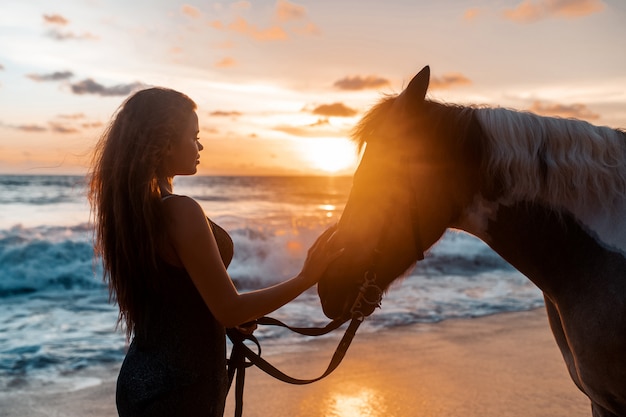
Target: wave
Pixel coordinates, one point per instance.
(46, 258)
(41, 190)
(53, 258)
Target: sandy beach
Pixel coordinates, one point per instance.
(501, 365)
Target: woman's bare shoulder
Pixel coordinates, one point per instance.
(180, 208)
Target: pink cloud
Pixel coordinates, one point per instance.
(241, 26)
(62, 128)
(55, 19)
(576, 110)
(191, 11)
(286, 11)
(31, 128)
(226, 62)
(334, 109)
(224, 113)
(448, 81)
(361, 83)
(216, 24)
(289, 19)
(471, 14)
(533, 10)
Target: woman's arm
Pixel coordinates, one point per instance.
(195, 245)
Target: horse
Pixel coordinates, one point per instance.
(548, 194)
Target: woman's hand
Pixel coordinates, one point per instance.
(319, 256)
(247, 328)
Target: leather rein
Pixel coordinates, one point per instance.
(242, 356)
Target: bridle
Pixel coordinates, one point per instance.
(370, 295)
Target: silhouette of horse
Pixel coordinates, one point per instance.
(547, 194)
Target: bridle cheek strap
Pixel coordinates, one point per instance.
(414, 213)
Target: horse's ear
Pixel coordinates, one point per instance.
(416, 90)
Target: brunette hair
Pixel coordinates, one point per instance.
(125, 196)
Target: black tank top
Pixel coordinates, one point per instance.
(177, 361)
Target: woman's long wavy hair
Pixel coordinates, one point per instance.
(125, 196)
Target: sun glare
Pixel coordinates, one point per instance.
(330, 155)
(362, 403)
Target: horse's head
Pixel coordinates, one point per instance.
(409, 187)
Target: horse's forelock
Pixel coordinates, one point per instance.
(367, 126)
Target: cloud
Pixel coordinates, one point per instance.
(227, 44)
(209, 130)
(531, 11)
(92, 125)
(61, 128)
(308, 29)
(320, 128)
(191, 11)
(65, 124)
(54, 76)
(289, 18)
(302, 131)
(361, 83)
(335, 109)
(222, 113)
(576, 110)
(31, 128)
(56, 33)
(295, 17)
(448, 81)
(217, 24)
(55, 19)
(241, 5)
(89, 86)
(69, 35)
(275, 33)
(471, 14)
(74, 116)
(226, 62)
(321, 122)
(286, 11)
(241, 26)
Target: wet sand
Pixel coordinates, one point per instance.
(501, 365)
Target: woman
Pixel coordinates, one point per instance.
(165, 262)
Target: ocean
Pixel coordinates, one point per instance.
(56, 320)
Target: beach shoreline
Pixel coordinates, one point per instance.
(505, 364)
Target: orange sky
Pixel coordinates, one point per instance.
(279, 84)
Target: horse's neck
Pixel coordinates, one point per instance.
(547, 246)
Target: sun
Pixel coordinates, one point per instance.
(330, 155)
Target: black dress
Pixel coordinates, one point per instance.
(176, 363)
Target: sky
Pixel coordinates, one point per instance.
(279, 84)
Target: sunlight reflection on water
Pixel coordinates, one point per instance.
(329, 208)
(365, 402)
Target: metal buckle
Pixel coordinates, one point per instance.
(369, 283)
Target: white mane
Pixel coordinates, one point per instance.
(560, 162)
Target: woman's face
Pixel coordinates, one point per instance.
(183, 154)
